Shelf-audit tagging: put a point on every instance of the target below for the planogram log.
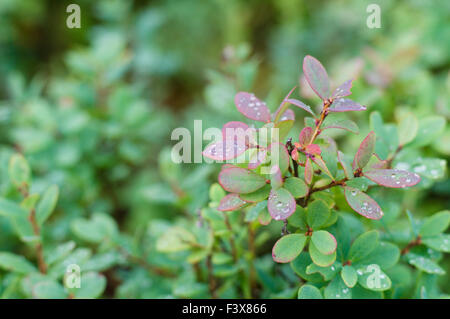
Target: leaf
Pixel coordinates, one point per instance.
(435, 224)
(343, 124)
(251, 107)
(324, 242)
(365, 151)
(305, 136)
(425, 264)
(11, 209)
(258, 195)
(327, 273)
(296, 186)
(92, 286)
(385, 255)
(313, 149)
(216, 192)
(362, 203)
(175, 239)
(230, 202)
(318, 214)
(429, 129)
(394, 178)
(225, 150)
(253, 212)
(288, 247)
(19, 170)
(281, 204)
(47, 204)
(346, 166)
(309, 171)
(343, 89)
(349, 276)
(284, 127)
(96, 229)
(317, 77)
(363, 245)
(407, 128)
(301, 105)
(319, 258)
(373, 278)
(337, 289)
(231, 129)
(264, 217)
(309, 292)
(258, 159)
(439, 242)
(240, 180)
(49, 289)
(15, 263)
(279, 156)
(276, 180)
(288, 115)
(345, 105)
(323, 167)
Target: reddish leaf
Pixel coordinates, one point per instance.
(313, 149)
(281, 107)
(365, 151)
(301, 105)
(276, 180)
(309, 171)
(230, 202)
(281, 204)
(230, 129)
(225, 150)
(305, 136)
(393, 177)
(258, 159)
(343, 89)
(317, 77)
(240, 180)
(288, 115)
(362, 203)
(251, 107)
(294, 154)
(345, 105)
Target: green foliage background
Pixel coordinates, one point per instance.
(92, 110)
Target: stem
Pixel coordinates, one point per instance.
(252, 272)
(39, 250)
(389, 161)
(323, 115)
(232, 243)
(322, 188)
(143, 263)
(413, 243)
(211, 279)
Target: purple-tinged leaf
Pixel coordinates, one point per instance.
(230, 202)
(288, 115)
(301, 105)
(323, 167)
(276, 179)
(343, 89)
(343, 124)
(288, 247)
(251, 107)
(313, 149)
(305, 136)
(230, 129)
(309, 171)
(258, 159)
(225, 150)
(282, 107)
(279, 155)
(345, 105)
(345, 165)
(317, 77)
(365, 151)
(362, 203)
(227, 165)
(382, 164)
(281, 204)
(393, 177)
(240, 180)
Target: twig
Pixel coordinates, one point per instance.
(39, 250)
(413, 243)
(211, 279)
(232, 243)
(252, 271)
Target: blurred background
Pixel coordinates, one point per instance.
(92, 109)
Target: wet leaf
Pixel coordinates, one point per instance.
(318, 214)
(345, 105)
(363, 245)
(317, 77)
(309, 292)
(319, 258)
(251, 107)
(288, 247)
(276, 180)
(240, 180)
(365, 151)
(393, 177)
(225, 150)
(373, 278)
(324, 242)
(305, 136)
(230, 202)
(425, 264)
(258, 158)
(301, 105)
(362, 203)
(258, 195)
(439, 242)
(343, 89)
(349, 276)
(435, 224)
(281, 204)
(279, 156)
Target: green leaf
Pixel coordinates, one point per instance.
(258, 195)
(349, 276)
(253, 213)
(11, 209)
(299, 266)
(318, 213)
(15, 263)
(407, 128)
(95, 230)
(175, 239)
(49, 289)
(296, 186)
(324, 242)
(365, 151)
(435, 224)
(298, 219)
(327, 273)
(373, 278)
(385, 255)
(425, 264)
(240, 180)
(47, 204)
(288, 247)
(92, 286)
(216, 193)
(19, 171)
(321, 259)
(309, 292)
(337, 289)
(363, 245)
(439, 242)
(429, 129)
